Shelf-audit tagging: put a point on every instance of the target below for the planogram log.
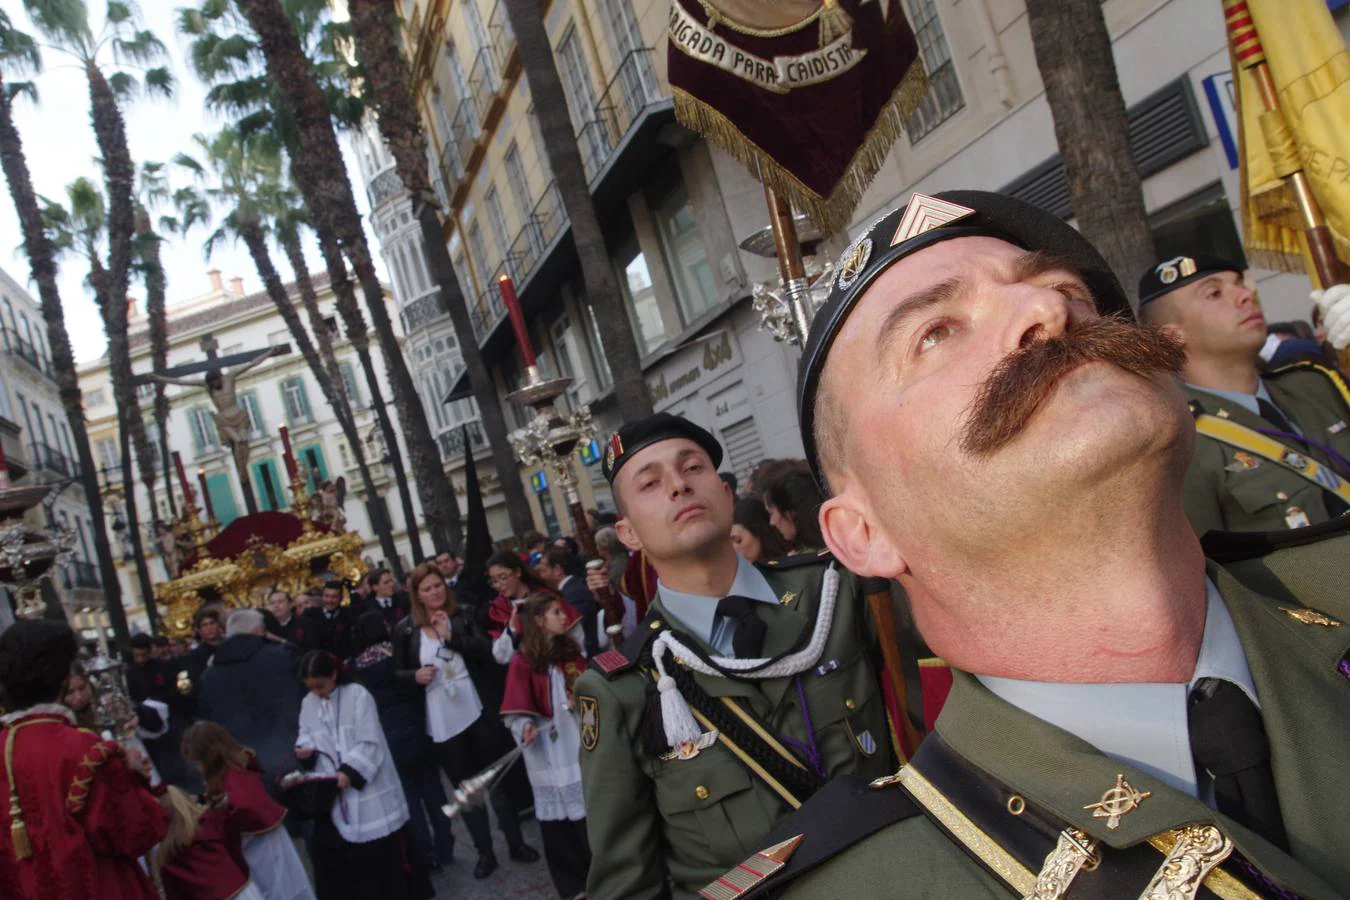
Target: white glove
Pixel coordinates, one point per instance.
(1335, 305)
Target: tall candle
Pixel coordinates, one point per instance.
(182, 476)
(287, 456)
(517, 320)
(206, 495)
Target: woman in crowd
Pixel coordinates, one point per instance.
(234, 780)
(442, 651)
(754, 537)
(402, 706)
(614, 554)
(793, 503)
(200, 858)
(514, 582)
(540, 711)
(358, 849)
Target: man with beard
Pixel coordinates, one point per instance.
(1274, 447)
(739, 694)
(1127, 719)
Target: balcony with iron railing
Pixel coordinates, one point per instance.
(451, 440)
(464, 127)
(49, 459)
(631, 90)
(489, 309)
(544, 224)
(24, 349)
(384, 186)
(484, 83)
(501, 38)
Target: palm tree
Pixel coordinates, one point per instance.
(385, 73)
(81, 230)
(261, 101)
(564, 158)
(247, 183)
(322, 179)
(19, 54)
(154, 190)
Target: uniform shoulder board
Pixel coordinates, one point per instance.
(1307, 365)
(1235, 546)
(796, 561)
(611, 662)
(622, 658)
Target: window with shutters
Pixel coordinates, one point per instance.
(498, 220)
(944, 95)
(108, 459)
(203, 426)
(296, 400)
(350, 383)
(744, 449)
(256, 426)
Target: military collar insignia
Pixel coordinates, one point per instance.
(925, 213)
(752, 872)
(1310, 617)
(1120, 800)
(589, 711)
(1177, 267)
(690, 749)
(1242, 462)
(788, 597)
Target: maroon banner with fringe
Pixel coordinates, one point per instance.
(811, 93)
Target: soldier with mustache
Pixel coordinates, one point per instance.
(1128, 718)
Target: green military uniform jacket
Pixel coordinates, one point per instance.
(1228, 489)
(1301, 670)
(652, 822)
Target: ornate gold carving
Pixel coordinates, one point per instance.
(1198, 849)
(1074, 852)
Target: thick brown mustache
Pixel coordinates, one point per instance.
(1024, 379)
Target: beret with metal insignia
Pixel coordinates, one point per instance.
(1179, 271)
(925, 221)
(634, 436)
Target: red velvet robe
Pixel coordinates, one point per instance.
(527, 690)
(250, 806)
(89, 816)
(639, 582)
(212, 867)
(499, 614)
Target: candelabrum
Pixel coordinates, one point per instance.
(786, 310)
(113, 709)
(28, 556)
(550, 437)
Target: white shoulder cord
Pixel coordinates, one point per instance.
(679, 722)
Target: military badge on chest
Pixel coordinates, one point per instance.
(589, 712)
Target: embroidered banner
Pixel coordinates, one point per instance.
(811, 93)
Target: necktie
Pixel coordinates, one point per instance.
(1229, 742)
(1271, 413)
(747, 636)
(384, 603)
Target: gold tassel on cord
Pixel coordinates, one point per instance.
(18, 832)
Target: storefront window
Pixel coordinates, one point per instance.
(686, 254)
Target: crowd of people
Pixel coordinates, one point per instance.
(1000, 583)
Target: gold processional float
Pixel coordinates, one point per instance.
(239, 565)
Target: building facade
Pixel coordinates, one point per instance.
(676, 210)
(38, 449)
(280, 391)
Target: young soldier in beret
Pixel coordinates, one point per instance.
(1127, 719)
(1274, 447)
(740, 693)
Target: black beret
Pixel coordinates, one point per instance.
(1178, 271)
(925, 221)
(633, 436)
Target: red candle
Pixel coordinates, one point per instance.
(206, 495)
(286, 455)
(182, 476)
(517, 320)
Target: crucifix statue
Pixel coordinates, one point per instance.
(232, 422)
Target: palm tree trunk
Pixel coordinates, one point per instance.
(330, 380)
(134, 527)
(564, 158)
(1073, 53)
(156, 316)
(377, 49)
(355, 323)
(327, 190)
(42, 265)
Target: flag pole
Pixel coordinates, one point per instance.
(1249, 54)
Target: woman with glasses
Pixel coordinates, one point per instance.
(515, 582)
(440, 649)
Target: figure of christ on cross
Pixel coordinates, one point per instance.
(232, 422)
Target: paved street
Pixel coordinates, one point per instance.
(511, 881)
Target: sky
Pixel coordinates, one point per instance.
(59, 143)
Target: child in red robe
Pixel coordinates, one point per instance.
(539, 709)
(200, 858)
(78, 816)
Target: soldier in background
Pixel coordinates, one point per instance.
(1127, 718)
(1274, 446)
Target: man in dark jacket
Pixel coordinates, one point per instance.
(384, 598)
(252, 690)
(563, 569)
(330, 625)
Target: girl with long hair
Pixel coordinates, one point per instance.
(540, 711)
(360, 847)
(793, 500)
(234, 779)
(754, 537)
(440, 649)
(200, 856)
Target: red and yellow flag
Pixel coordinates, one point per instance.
(1309, 131)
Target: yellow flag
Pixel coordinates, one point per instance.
(1310, 69)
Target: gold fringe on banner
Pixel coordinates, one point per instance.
(830, 213)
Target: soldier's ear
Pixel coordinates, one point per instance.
(627, 534)
(855, 541)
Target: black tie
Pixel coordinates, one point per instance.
(1229, 742)
(384, 602)
(747, 637)
(1271, 413)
